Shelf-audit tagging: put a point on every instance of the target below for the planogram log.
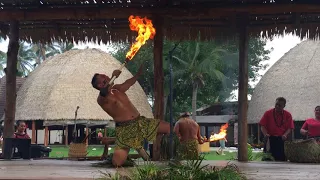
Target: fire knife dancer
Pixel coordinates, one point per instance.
(131, 128)
(188, 132)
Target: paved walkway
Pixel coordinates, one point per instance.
(63, 169)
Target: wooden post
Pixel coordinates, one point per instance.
(243, 88)
(158, 81)
(66, 136)
(46, 136)
(87, 133)
(258, 133)
(105, 131)
(10, 108)
(33, 139)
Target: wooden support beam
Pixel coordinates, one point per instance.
(33, 137)
(87, 134)
(10, 108)
(258, 133)
(105, 131)
(46, 136)
(113, 12)
(66, 136)
(243, 87)
(158, 81)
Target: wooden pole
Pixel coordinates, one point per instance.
(46, 136)
(66, 136)
(33, 139)
(87, 133)
(158, 80)
(10, 108)
(258, 133)
(105, 131)
(243, 88)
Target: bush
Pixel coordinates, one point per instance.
(191, 170)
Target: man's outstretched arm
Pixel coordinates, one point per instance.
(128, 83)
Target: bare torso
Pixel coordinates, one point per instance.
(118, 106)
(188, 129)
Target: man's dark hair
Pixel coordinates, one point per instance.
(282, 99)
(316, 107)
(94, 81)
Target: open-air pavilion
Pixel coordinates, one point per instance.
(102, 20)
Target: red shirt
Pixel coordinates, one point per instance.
(313, 127)
(21, 136)
(277, 123)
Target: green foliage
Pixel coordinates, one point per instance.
(213, 65)
(31, 54)
(192, 170)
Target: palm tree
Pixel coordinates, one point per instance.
(3, 61)
(197, 60)
(25, 56)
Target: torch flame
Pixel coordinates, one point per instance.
(145, 30)
(222, 134)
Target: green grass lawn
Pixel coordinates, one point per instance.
(62, 151)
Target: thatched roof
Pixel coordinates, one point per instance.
(61, 83)
(295, 77)
(106, 20)
(19, 82)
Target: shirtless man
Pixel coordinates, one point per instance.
(188, 132)
(131, 128)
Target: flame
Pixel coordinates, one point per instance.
(145, 30)
(222, 134)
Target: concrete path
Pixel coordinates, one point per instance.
(63, 169)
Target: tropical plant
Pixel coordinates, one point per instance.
(26, 57)
(3, 61)
(43, 51)
(197, 60)
(191, 169)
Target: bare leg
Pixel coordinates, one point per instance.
(106, 141)
(120, 157)
(164, 127)
(143, 154)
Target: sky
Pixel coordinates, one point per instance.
(280, 45)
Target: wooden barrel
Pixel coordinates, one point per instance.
(77, 150)
(302, 151)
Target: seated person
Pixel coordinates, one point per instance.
(311, 128)
(21, 131)
(188, 132)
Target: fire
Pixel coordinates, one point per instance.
(222, 134)
(145, 30)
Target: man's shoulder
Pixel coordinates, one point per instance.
(287, 112)
(269, 111)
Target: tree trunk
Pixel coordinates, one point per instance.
(194, 100)
(12, 58)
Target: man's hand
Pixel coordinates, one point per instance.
(201, 142)
(284, 137)
(116, 73)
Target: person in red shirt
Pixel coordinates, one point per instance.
(276, 124)
(311, 128)
(21, 131)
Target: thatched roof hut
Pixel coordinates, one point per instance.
(19, 82)
(296, 77)
(61, 83)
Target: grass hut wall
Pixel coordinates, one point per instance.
(19, 82)
(295, 77)
(61, 83)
